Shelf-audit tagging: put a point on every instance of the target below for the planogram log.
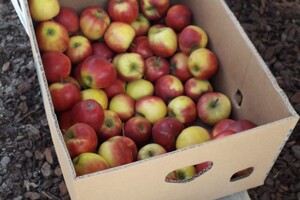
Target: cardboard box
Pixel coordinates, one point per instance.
(242, 74)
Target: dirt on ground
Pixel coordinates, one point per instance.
(28, 164)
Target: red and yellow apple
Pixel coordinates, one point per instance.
(119, 36)
(97, 94)
(179, 66)
(52, 36)
(150, 150)
(191, 38)
(183, 108)
(141, 46)
(203, 63)
(213, 107)
(152, 108)
(87, 163)
(153, 9)
(194, 88)
(156, 67)
(168, 87)
(112, 126)
(80, 138)
(162, 40)
(93, 22)
(79, 49)
(123, 105)
(141, 25)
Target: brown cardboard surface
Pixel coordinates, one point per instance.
(240, 68)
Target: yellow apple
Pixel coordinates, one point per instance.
(191, 136)
(42, 10)
(96, 94)
(139, 88)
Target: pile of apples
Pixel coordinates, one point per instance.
(130, 81)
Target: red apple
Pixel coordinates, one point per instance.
(223, 125)
(150, 150)
(119, 36)
(183, 108)
(52, 36)
(165, 132)
(98, 72)
(141, 25)
(138, 129)
(203, 63)
(101, 49)
(76, 73)
(69, 19)
(87, 163)
(90, 112)
(117, 87)
(112, 126)
(64, 95)
(179, 66)
(223, 134)
(154, 9)
(203, 167)
(212, 107)
(79, 49)
(141, 46)
(162, 40)
(57, 66)
(152, 108)
(123, 10)
(116, 152)
(80, 138)
(194, 88)
(168, 87)
(242, 125)
(191, 38)
(130, 66)
(178, 17)
(65, 120)
(93, 22)
(156, 67)
(123, 105)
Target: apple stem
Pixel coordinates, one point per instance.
(194, 47)
(156, 62)
(214, 103)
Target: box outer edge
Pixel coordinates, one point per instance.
(272, 79)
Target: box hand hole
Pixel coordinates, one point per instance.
(238, 98)
(241, 174)
(188, 173)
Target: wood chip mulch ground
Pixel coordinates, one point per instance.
(28, 164)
